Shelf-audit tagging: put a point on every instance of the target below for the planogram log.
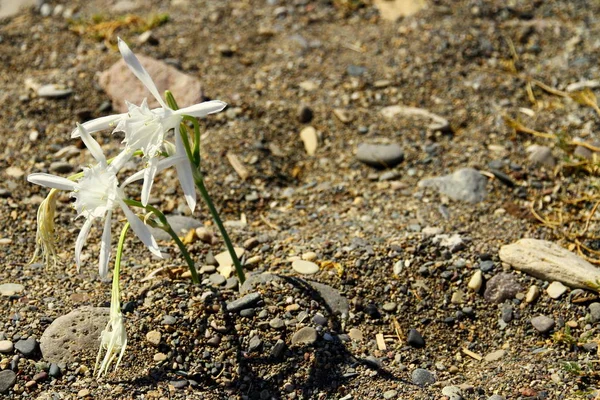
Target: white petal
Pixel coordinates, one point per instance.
(105, 246)
(98, 124)
(120, 160)
(141, 230)
(202, 109)
(134, 65)
(184, 172)
(81, 239)
(92, 145)
(51, 181)
(149, 174)
(162, 165)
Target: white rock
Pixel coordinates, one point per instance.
(6, 346)
(305, 267)
(311, 140)
(495, 355)
(476, 281)
(8, 289)
(532, 294)
(224, 258)
(550, 262)
(556, 289)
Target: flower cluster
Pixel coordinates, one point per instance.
(99, 191)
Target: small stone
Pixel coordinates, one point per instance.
(255, 344)
(276, 323)
(453, 392)
(415, 339)
(476, 281)
(214, 341)
(343, 115)
(305, 114)
(310, 138)
(160, 357)
(83, 393)
(373, 362)
(319, 319)
(251, 243)
(278, 348)
(179, 384)
(232, 283)
(14, 172)
(495, 355)
(40, 376)
(169, 320)
(306, 335)
(61, 167)
(244, 302)
(380, 155)
(7, 380)
(45, 10)
(355, 334)
(501, 287)
(10, 289)
(496, 397)
(458, 297)
(542, 323)
(466, 185)
(594, 312)
(507, 314)
(305, 267)
(398, 266)
(389, 307)
(532, 294)
(309, 256)
(6, 346)
(27, 347)
(390, 394)
(217, 279)
(541, 155)
(224, 258)
(486, 266)
(153, 337)
(556, 289)
(54, 370)
(54, 91)
(422, 377)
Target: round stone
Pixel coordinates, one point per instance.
(7, 380)
(355, 334)
(390, 394)
(542, 323)
(27, 346)
(153, 337)
(306, 335)
(389, 307)
(6, 346)
(305, 267)
(422, 377)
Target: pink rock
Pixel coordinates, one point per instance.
(120, 84)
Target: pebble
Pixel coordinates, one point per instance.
(54, 370)
(486, 266)
(305, 335)
(232, 283)
(6, 346)
(541, 155)
(276, 323)
(305, 114)
(310, 138)
(224, 258)
(373, 362)
(169, 320)
(309, 256)
(532, 294)
(542, 323)
(278, 348)
(476, 281)
(594, 312)
(380, 155)
(305, 267)
(556, 289)
(153, 337)
(40, 376)
(389, 307)
(217, 279)
(319, 319)
(355, 334)
(27, 347)
(61, 167)
(244, 302)
(160, 357)
(83, 393)
(343, 115)
(214, 341)
(422, 377)
(501, 287)
(415, 339)
(398, 266)
(45, 10)
(453, 392)
(466, 185)
(390, 394)
(10, 289)
(458, 297)
(7, 380)
(507, 314)
(495, 355)
(14, 172)
(496, 397)
(255, 344)
(54, 91)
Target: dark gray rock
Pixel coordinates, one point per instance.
(247, 301)
(542, 323)
(27, 347)
(501, 287)
(380, 155)
(54, 370)
(306, 335)
(415, 339)
(255, 344)
(466, 185)
(422, 377)
(7, 380)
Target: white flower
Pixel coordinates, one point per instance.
(97, 194)
(145, 129)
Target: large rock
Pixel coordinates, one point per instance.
(74, 335)
(120, 84)
(550, 262)
(466, 184)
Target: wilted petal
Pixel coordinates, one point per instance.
(141, 230)
(139, 71)
(202, 109)
(105, 246)
(81, 239)
(184, 172)
(92, 145)
(51, 181)
(98, 124)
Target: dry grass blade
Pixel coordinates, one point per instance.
(517, 126)
(587, 98)
(237, 165)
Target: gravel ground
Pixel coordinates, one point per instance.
(399, 314)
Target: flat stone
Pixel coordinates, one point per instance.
(27, 347)
(306, 335)
(169, 320)
(391, 10)
(7, 380)
(54, 91)
(594, 312)
(542, 323)
(532, 294)
(6, 346)
(10, 289)
(247, 301)
(541, 155)
(310, 138)
(74, 334)
(120, 84)
(380, 155)
(355, 334)
(278, 349)
(452, 392)
(458, 297)
(255, 344)
(305, 267)
(153, 337)
(550, 262)
(422, 377)
(159, 357)
(217, 279)
(224, 258)
(180, 224)
(556, 289)
(467, 185)
(495, 355)
(390, 394)
(501, 287)
(389, 307)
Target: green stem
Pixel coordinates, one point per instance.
(196, 150)
(199, 180)
(167, 228)
(115, 296)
